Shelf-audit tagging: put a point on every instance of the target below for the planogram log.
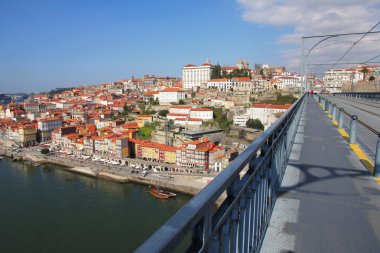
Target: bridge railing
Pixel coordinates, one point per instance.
(336, 115)
(250, 183)
(365, 95)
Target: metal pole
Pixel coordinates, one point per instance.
(340, 118)
(334, 112)
(377, 78)
(330, 108)
(354, 120)
(376, 172)
(303, 67)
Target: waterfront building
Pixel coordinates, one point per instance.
(28, 135)
(156, 152)
(46, 126)
(195, 154)
(194, 76)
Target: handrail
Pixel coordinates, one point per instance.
(262, 177)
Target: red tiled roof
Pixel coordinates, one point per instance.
(181, 106)
(175, 89)
(150, 93)
(219, 80)
(201, 109)
(272, 106)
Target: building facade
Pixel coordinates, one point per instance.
(194, 76)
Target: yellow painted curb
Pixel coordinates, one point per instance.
(335, 122)
(377, 180)
(363, 157)
(330, 116)
(343, 133)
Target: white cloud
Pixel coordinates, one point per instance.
(318, 17)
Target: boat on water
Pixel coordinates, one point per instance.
(158, 193)
(1, 157)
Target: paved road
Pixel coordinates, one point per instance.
(328, 201)
(367, 111)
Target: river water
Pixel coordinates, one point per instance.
(46, 209)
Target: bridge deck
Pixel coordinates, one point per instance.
(328, 202)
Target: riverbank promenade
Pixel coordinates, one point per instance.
(328, 201)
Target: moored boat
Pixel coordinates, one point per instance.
(158, 193)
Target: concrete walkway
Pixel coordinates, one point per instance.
(328, 202)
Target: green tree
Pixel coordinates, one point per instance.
(221, 119)
(241, 134)
(255, 124)
(364, 71)
(216, 72)
(257, 68)
(371, 78)
(125, 110)
(181, 102)
(171, 122)
(142, 107)
(44, 151)
(163, 113)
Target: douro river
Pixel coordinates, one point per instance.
(46, 209)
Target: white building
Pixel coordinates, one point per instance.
(180, 109)
(170, 95)
(193, 76)
(49, 124)
(288, 82)
(222, 84)
(235, 83)
(334, 78)
(242, 84)
(201, 113)
(264, 112)
(188, 121)
(241, 120)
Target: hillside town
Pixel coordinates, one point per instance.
(199, 122)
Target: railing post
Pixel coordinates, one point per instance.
(340, 118)
(326, 105)
(376, 172)
(330, 108)
(334, 112)
(353, 126)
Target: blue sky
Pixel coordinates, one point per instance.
(48, 44)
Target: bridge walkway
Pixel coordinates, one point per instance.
(328, 201)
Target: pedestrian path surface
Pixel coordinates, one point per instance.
(328, 201)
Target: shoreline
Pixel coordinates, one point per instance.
(185, 184)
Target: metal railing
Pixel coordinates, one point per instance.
(365, 95)
(250, 183)
(332, 109)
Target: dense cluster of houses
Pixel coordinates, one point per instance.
(105, 120)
